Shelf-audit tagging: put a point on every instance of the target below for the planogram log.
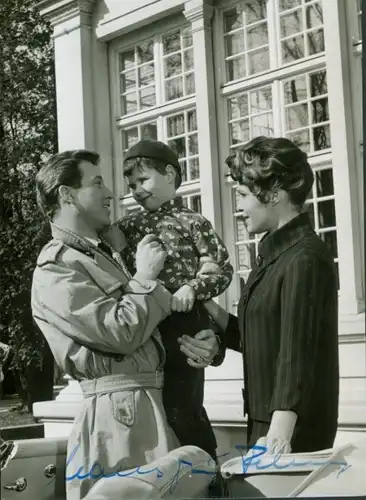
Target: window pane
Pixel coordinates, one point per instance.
(326, 213)
(293, 49)
(190, 84)
(196, 204)
(147, 97)
(257, 36)
(234, 44)
(192, 120)
(146, 74)
(233, 19)
(330, 239)
(288, 4)
(174, 88)
(171, 42)
(175, 125)
(145, 52)
(238, 106)
(291, 24)
(173, 65)
(255, 10)
(127, 60)
(128, 81)
(193, 145)
(324, 182)
(149, 131)
(262, 125)
(129, 103)
(235, 68)
(295, 90)
(318, 83)
(260, 100)
(129, 137)
(314, 15)
(188, 60)
(297, 117)
(258, 61)
(183, 167)
(239, 132)
(316, 42)
(194, 168)
(320, 111)
(321, 137)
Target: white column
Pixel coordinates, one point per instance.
(343, 157)
(82, 80)
(200, 13)
(72, 24)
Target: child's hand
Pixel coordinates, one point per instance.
(183, 299)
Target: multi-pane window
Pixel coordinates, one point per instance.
(301, 29)
(182, 137)
(286, 35)
(178, 64)
(247, 35)
(306, 111)
(250, 114)
(154, 76)
(246, 40)
(137, 78)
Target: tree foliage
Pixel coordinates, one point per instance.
(27, 136)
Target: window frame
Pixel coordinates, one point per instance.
(322, 158)
(160, 112)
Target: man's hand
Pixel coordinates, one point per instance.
(201, 349)
(183, 299)
(150, 257)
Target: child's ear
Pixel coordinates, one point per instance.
(171, 173)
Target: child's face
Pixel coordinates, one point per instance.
(150, 188)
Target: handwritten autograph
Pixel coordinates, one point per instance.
(253, 460)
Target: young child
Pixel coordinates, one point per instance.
(197, 268)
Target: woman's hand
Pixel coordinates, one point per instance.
(200, 349)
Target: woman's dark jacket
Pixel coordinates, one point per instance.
(287, 330)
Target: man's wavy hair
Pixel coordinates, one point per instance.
(267, 163)
(62, 169)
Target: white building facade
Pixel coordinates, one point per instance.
(205, 76)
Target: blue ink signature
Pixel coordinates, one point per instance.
(253, 460)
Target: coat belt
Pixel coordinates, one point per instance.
(117, 383)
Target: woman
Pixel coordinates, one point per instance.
(287, 321)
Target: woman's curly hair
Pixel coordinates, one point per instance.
(267, 163)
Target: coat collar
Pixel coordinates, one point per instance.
(72, 239)
(272, 245)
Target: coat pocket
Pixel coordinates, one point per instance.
(123, 407)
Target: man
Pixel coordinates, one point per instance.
(100, 323)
